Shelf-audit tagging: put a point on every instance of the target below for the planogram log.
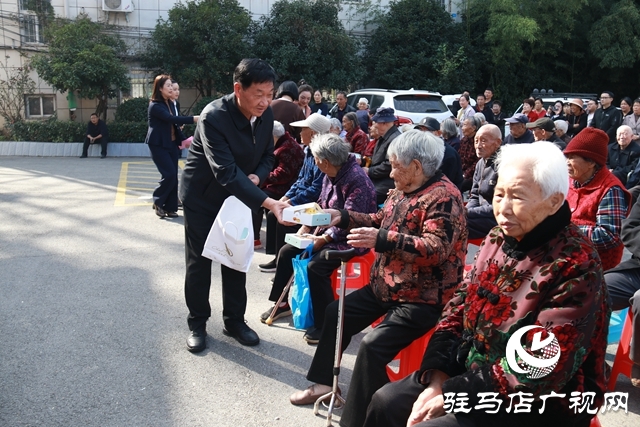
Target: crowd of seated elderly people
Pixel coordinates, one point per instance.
(554, 211)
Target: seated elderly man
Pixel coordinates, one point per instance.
(420, 240)
(598, 200)
(345, 186)
(480, 219)
(623, 156)
(544, 129)
(380, 168)
(518, 132)
(623, 283)
(535, 276)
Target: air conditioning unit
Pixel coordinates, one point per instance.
(117, 6)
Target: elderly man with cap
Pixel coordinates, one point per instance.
(519, 134)
(451, 165)
(544, 129)
(380, 168)
(480, 218)
(306, 189)
(598, 200)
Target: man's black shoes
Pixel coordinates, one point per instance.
(197, 340)
(242, 333)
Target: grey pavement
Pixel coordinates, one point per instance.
(93, 320)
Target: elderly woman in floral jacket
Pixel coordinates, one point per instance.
(420, 239)
(535, 277)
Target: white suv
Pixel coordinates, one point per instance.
(410, 106)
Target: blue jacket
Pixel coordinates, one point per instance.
(307, 187)
(160, 122)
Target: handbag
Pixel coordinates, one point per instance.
(300, 292)
(230, 240)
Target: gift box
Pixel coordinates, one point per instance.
(308, 214)
(300, 241)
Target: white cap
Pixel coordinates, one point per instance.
(316, 122)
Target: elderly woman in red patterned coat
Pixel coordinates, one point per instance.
(598, 200)
(537, 271)
(355, 135)
(420, 239)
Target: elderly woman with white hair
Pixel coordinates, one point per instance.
(535, 292)
(289, 157)
(345, 186)
(420, 239)
(363, 114)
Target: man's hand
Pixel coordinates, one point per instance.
(254, 178)
(431, 409)
(276, 207)
(305, 229)
(285, 199)
(364, 237)
(335, 216)
(195, 119)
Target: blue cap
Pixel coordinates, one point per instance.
(384, 115)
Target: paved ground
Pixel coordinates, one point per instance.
(93, 322)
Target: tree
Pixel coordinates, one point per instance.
(14, 85)
(306, 40)
(200, 44)
(615, 38)
(83, 58)
(416, 44)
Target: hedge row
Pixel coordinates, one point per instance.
(53, 130)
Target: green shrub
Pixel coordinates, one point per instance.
(50, 130)
(202, 102)
(132, 110)
(127, 131)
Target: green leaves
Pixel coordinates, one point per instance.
(615, 39)
(306, 40)
(200, 44)
(83, 58)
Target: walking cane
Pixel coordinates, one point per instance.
(343, 256)
(284, 293)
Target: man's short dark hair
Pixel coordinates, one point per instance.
(608, 93)
(480, 95)
(489, 88)
(341, 92)
(94, 114)
(496, 102)
(253, 70)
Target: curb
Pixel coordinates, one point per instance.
(73, 149)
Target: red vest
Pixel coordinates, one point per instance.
(584, 203)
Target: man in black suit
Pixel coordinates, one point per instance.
(96, 132)
(231, 155)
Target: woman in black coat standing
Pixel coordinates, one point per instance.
(163, 138)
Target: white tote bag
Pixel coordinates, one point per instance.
(230, 241)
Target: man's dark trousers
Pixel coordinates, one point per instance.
(403, 324)
(103, 144)
(198, 276)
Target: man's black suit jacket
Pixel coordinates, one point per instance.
(225, 150)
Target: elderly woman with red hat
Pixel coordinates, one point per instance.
(598, 200)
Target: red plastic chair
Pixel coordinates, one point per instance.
(355, 280)
(476, 242)
(622, 363)
(410, 358)
(595, 422)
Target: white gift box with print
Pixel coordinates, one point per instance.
(307, 214)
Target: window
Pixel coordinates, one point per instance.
(40, 106)
(419, 104)
(140, 88)
(30, 29)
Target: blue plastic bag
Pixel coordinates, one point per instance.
(300, 292)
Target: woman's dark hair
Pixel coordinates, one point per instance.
(253, 70)
(305, 88)
(529, 101)
(465, 96)
(158, 82)
(538, 99)
(627, 100)
(288, 88)
(353, 118)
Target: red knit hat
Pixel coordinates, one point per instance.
(590, 143)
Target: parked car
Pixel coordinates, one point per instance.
(410, 106)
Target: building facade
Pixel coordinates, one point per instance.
(21, 36)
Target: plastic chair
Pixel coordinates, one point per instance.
(622, 363)
(410, 357)
(595, 422)
(355, 279)
(476, 242)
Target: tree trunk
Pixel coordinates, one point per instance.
(101, 110)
